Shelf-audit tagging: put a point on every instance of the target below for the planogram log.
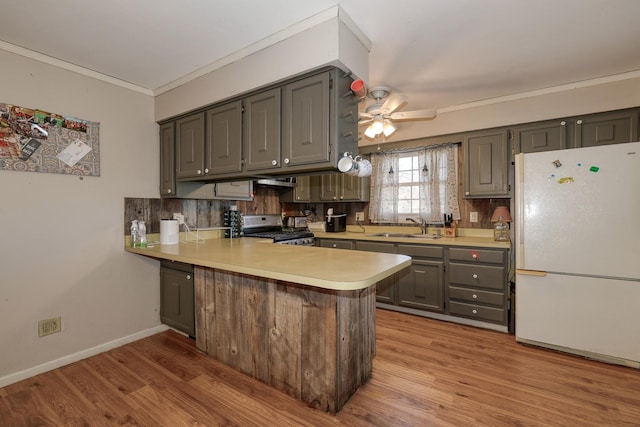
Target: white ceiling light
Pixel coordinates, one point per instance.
(388, 128)
(378, 126)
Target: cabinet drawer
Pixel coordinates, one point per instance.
(176, 265)
(337, 244)
(490, 314)
(476, 296)
(477, 255)
(484, 276)
(386, 248)
(421, 251)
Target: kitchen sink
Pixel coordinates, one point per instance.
(405, 235)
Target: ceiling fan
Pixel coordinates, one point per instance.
(383, 112)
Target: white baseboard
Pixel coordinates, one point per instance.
(66, 360)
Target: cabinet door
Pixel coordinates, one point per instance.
(235, 190)
(386, 288)
(486, 164)
(224, 139)
(262, 131)
(350, 187)
(329, 187)
(302, 190)
(421, 285)
(305, 132)
(607, 128)
(176, 300)
(190, 146)
(541, 136)
(167, 160)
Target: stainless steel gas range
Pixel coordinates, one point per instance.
(270, 227)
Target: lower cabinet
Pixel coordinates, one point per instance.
(421, 285)
(386, 290)
(176, 296)
(454, 282)
(477, 284)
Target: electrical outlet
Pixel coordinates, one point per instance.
(49, 326)
(473, 216)
(360, 216)
(179, 217)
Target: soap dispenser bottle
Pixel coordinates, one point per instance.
(142, 234)
(134, 233)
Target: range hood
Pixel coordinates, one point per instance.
(277, 182)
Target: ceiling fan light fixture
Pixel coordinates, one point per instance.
(369, 132)
(378, 125)
(388, 128)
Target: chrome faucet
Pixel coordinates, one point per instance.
(422, 224)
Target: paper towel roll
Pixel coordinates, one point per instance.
(169, 231)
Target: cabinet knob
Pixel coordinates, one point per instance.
(335, 198)
(334, 245)
(466, 193)
(475, 276)
(579, 122)
(169, 191)
(188, 277)
(474, 311)
(474, 256)
(286, 161)
(562, 123)
(474, 296)
(199, 172)
(206, 171)
(274, 162)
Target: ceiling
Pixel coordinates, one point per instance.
(440, 53)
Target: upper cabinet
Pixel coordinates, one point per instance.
(223, 150)
(262, 132)
(299, 126)
(544, 136)
(190, 146)
(167, 159)
(606, 128)
(305, 122)
(486, 163)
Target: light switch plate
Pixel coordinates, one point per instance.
(473, 216)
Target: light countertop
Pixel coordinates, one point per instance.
(467, 237)
(307, 265)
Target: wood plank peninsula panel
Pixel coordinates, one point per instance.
(314, 344)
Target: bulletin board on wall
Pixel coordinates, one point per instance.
(38, 141)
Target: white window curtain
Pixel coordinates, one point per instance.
(383, 198)
(438, 186)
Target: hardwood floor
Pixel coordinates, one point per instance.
(426, 373)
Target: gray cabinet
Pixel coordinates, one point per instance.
(190, 146)
(167, 160)
(223, 150)
(386, 289)
(421, 285)
(477, 286)
(486, 164)
(177, 297)
(262, 144)
(543, 136)
(305, 121)
(235, 190)
(334, 243)
(305, 190)
(606, 128)
(344, 188)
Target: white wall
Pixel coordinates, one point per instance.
(614, 93)
(329, 43)
(61, 244)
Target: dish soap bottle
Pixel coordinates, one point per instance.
(142, 235)
(134, 233)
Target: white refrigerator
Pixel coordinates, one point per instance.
(577, 230)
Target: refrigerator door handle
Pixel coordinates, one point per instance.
(537, 273)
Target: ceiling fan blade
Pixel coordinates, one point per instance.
(366, 115)
(393, 103)
(365, 122)
(414, 115)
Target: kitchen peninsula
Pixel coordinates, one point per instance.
(300, 319)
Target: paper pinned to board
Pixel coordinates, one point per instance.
(74, 152)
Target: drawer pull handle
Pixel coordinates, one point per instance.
(188, 277)
(334, 245)
(474, 311)
(474, 296)
(475, 276)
